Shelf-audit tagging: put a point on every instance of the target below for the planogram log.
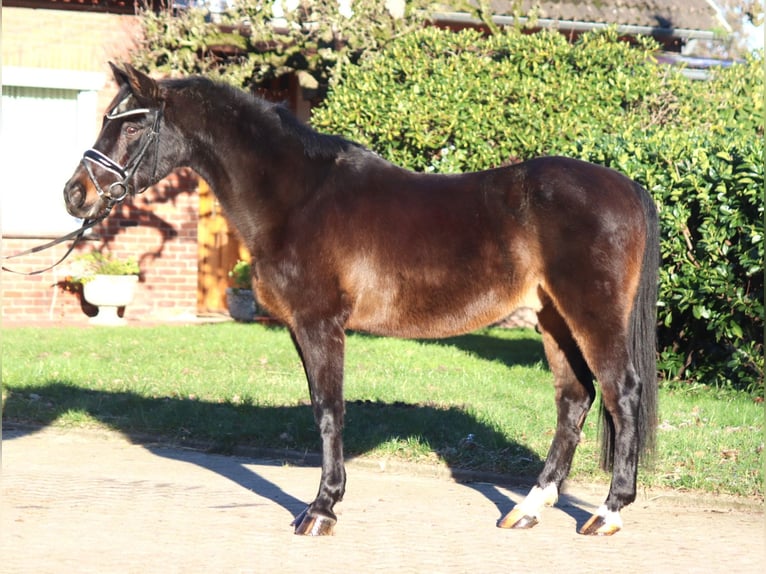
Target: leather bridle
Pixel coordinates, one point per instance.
(120, 189)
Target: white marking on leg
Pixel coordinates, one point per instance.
(537, 498)
(612, 518)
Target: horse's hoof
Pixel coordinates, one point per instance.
(598, 525)
(526, 514)
(517, 518)
(311, 525)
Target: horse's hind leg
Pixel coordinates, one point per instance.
(621, 397)
(321, 348)
(574, 395)
(603, 341)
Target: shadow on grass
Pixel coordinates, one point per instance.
(454, 435)
(524, 352)
(473, 451)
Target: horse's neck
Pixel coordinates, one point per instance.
(257, 188)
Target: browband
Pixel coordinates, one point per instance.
(119, 110)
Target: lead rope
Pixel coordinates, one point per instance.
(77, 234)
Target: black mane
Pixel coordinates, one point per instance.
(316, 145)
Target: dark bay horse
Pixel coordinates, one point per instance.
(342, 239)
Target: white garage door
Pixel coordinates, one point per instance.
(44, 132)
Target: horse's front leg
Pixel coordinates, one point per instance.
(321, 348)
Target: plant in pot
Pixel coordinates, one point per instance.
(240, 299)
(107, 283)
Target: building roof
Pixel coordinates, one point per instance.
(699, 15)
(110, 6)
(673, 23)
(664, 14)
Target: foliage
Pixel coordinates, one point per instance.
(240, 275)
(711, 278)
(86, 266)
(249, 46)
(732, 43)
(447, 102)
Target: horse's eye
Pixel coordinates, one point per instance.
(131, 130)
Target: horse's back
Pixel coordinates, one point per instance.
(579, 187)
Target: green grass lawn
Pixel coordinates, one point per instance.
(233, 384)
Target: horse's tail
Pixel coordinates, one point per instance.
(642, 343)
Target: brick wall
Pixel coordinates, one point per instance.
(158, 228)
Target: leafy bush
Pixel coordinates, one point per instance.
(454, 102)
(241, 276)
(86, 266)
(248, 48)
(447, 102)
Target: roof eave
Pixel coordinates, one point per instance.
(573, 25)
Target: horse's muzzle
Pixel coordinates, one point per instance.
(74, 196)
(80, 198)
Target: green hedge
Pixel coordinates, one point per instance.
(453, 102)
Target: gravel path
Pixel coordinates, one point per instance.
(96, 502)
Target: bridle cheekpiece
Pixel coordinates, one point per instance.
(120, 189)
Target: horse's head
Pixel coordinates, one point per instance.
(127, 156)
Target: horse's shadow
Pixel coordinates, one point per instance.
(450, 431)
(525, 351)
(504, 493)
(578, 510)
(236, 471)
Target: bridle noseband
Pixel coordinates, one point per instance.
(120, 189)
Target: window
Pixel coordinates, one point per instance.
(48, 120)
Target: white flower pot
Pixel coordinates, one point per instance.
(109, 293)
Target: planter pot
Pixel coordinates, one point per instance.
(109, 293)
(241, 304)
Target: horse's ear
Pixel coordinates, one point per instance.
(142, 86)
(119, 75)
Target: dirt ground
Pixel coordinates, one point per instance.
(74, 501)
